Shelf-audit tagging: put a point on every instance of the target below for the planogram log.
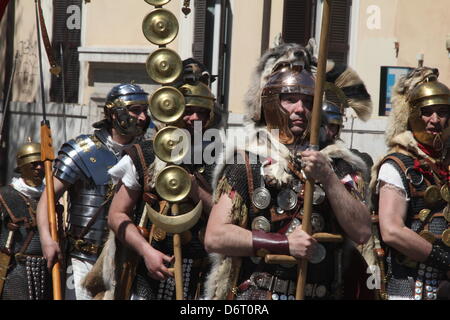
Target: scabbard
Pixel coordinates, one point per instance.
(4, 265)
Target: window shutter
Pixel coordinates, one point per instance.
(339, 30)
(70, 39)
(297, 21)
(198, 50)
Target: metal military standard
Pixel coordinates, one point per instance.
(160, 27)
(171, 144)
(175, 223)
(164, 66)
(167, 104)
(173, 183)
(157, 2)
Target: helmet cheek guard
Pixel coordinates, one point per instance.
(126, 124)
(118, 100)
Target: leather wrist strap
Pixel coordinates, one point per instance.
(438, 258)
(266, 242)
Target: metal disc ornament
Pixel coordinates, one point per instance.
(160, 27)
(427, 235)
(261, 223)
(287, 199)
(432, 195)
(167, 104)
(445, 194)
(317, 222)
(446, 213)
(446, 237)
(171, 144)
(261, 198)
(318, 195)
(173, 183)
(319, 254)
(164, 66)
(157, 2)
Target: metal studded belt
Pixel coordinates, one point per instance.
(279, 287)
(84, 246)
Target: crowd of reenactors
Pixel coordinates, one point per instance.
(137, 226)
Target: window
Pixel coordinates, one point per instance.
(66, 39)
(299, 20)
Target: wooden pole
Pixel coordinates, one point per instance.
(314, 140)
(178, 259)
(47, 156)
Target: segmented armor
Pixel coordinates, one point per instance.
(27, 276)
(83, 163)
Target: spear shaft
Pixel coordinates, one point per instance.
(47, 157)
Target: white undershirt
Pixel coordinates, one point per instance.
(389, 174)
(126, 171)
(29, 191)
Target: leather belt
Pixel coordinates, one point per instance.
(266, 281)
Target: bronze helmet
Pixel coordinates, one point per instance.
(28, 152)
(199, 95)
(429, 93)
(288, 79)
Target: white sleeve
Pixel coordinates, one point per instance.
(389, 174)
(126, 171)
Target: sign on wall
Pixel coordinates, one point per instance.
(388, 78)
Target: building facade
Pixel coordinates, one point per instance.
(100, 43)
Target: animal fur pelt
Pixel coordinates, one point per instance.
(338, 74)
(101, 280)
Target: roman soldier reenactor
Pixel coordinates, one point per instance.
(82, 169)
(411, 191)
(259, 200)
(23, 269)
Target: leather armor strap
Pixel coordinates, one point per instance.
(266, 242)
(14, 219)
(55, 69)
(144, 167)
(249, 179)
(27, 241)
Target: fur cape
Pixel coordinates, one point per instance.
(263, 144)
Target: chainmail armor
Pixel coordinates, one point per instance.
(22, 283)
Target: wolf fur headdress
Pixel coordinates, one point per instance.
(338, 74)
